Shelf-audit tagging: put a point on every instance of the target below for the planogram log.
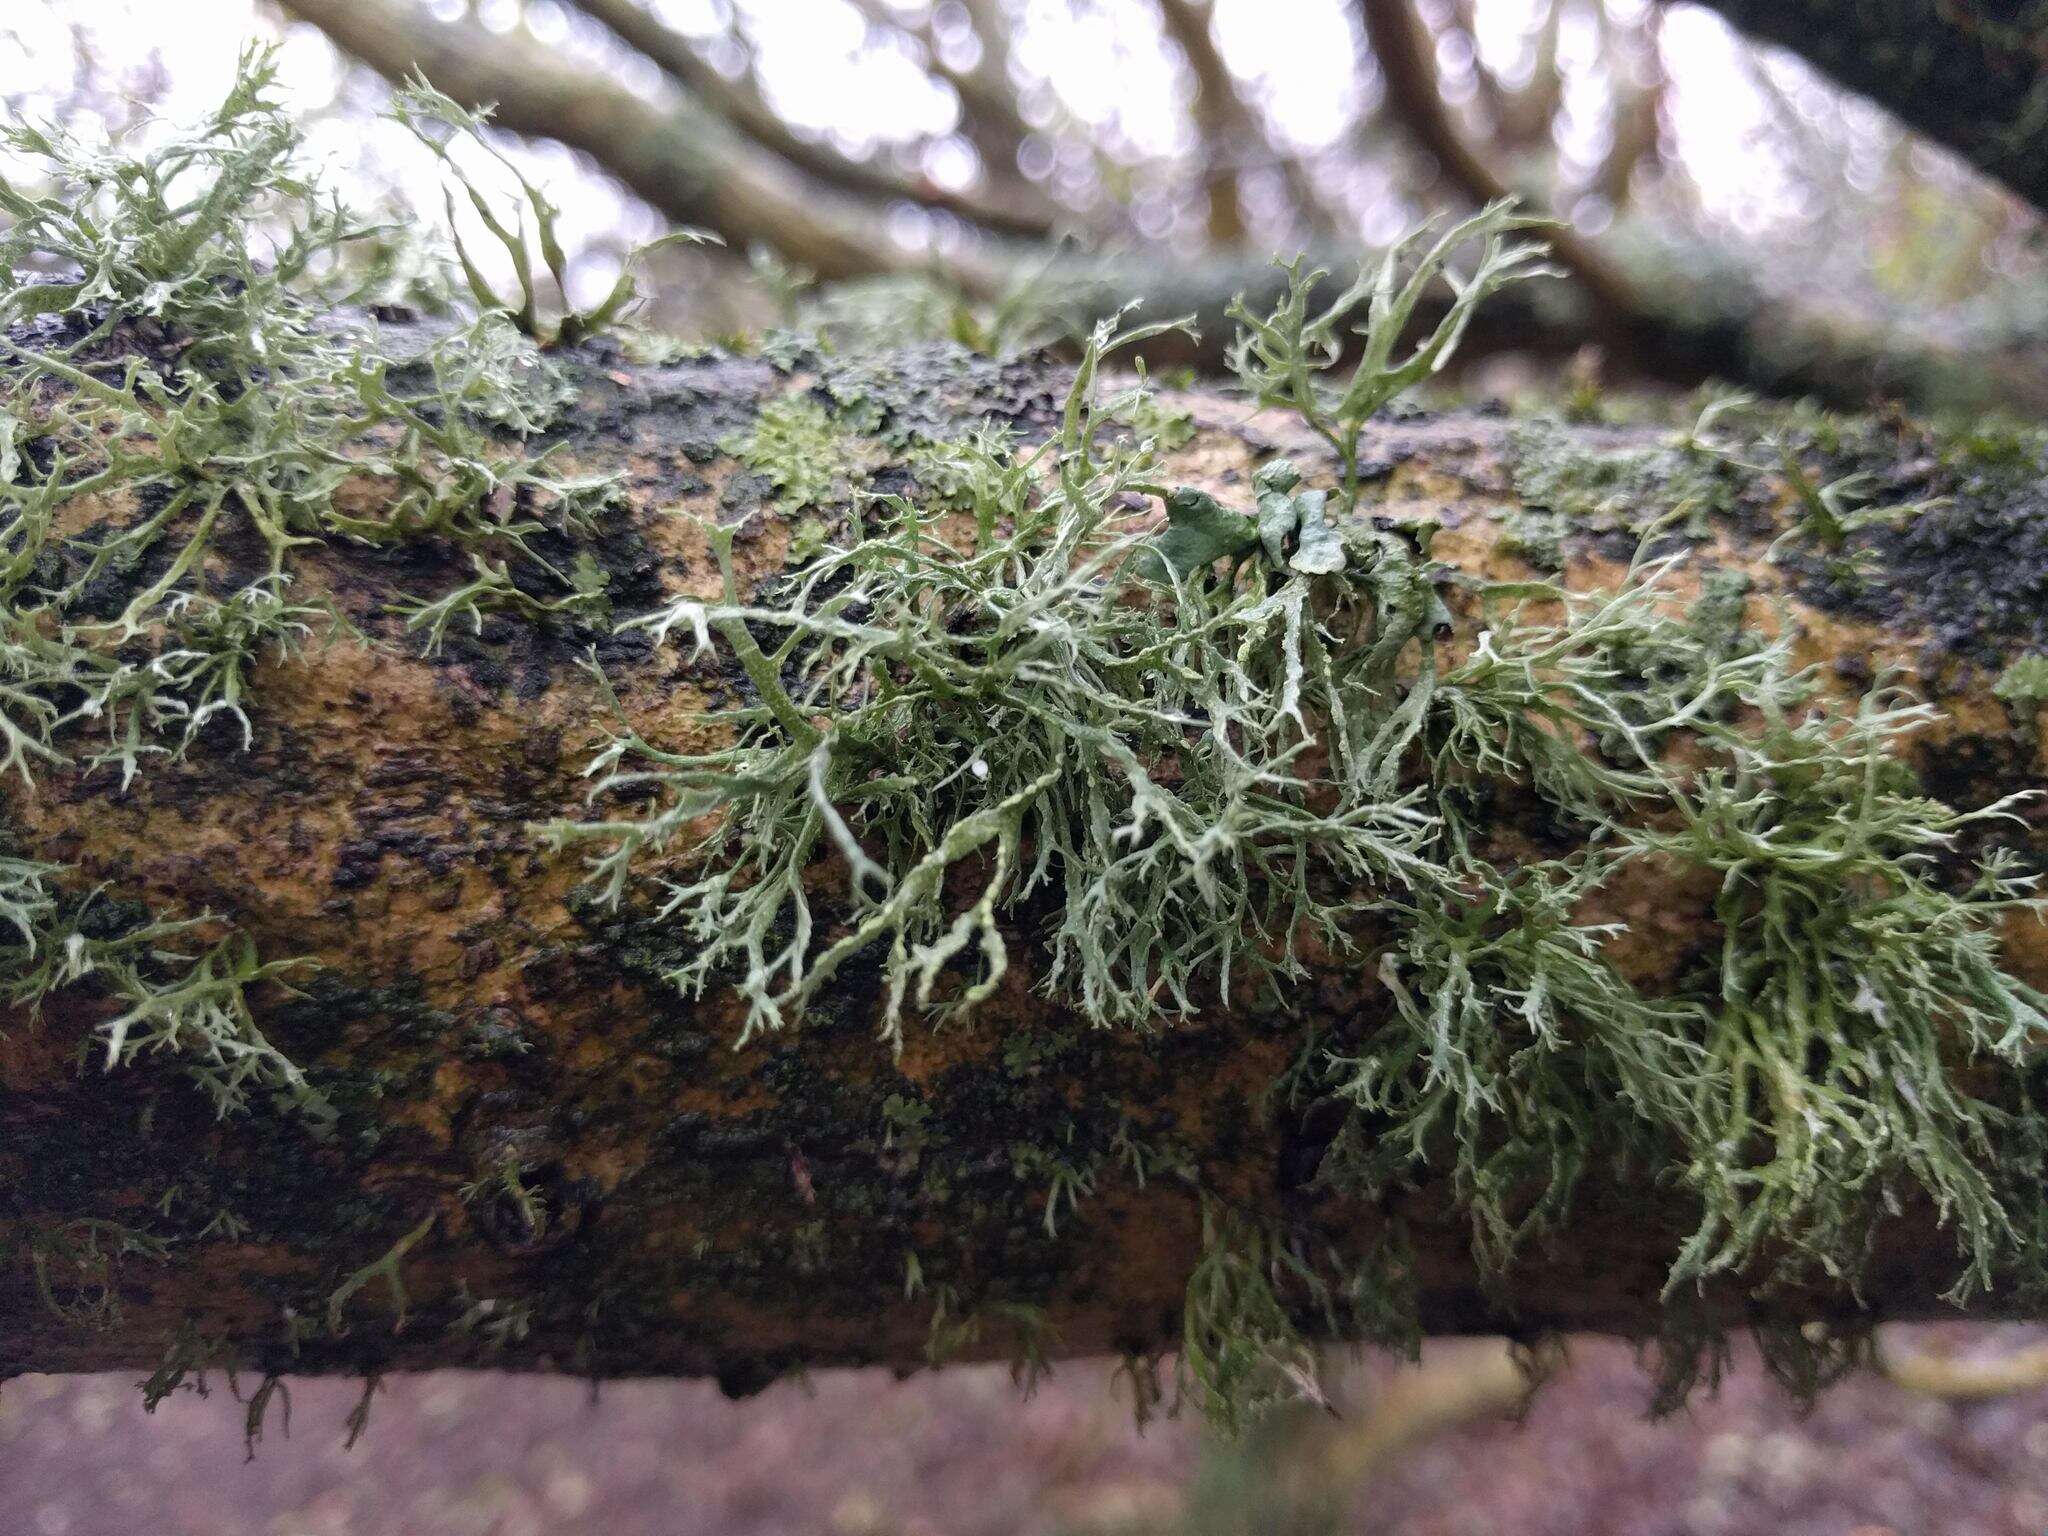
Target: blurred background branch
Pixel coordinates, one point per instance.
(1728, 210)
(1097, 149)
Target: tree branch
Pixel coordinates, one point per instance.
(989, 112)
(1018, 211)
(1220, 117)
(1228, 127)
(683, 160)
(1401, 43)
(560, 1162)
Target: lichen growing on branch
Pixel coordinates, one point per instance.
(1203, 754)
(1198, 760)
(235, 432)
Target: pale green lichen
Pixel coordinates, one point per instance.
(238, 409)
(177, 995)
(1288, 357)
(1144, 782)
(2024, 684)
(252, 421)
(1263, 727)
(1852, 978)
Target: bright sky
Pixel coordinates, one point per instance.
(1300, 57)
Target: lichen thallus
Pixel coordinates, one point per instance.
(1194, 762)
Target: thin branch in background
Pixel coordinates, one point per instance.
(1636, 104)
(1221, 121)
(1406, 52)
(696, 168)
(1935, 1372)
(991, 118)
(1233, 137)
(687, 162)
(1017, 212)
(1519, 117)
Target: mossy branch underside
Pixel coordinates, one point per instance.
(532, 847)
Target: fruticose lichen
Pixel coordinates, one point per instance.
(231, 432)
(1201, 764)
(1206, 753)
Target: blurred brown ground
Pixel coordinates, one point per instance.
(957, 1454)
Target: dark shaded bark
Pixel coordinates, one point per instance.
(739, 1212)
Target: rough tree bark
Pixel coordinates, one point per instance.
(738, 1212)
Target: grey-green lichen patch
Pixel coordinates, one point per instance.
(172, 366)
(1935, 530)
(1572, 489)
(918, 394)
(2023, 685)
(802, 450)
(1536, 537)
(1196, 755)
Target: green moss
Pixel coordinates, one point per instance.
(1994, 446)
